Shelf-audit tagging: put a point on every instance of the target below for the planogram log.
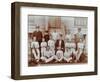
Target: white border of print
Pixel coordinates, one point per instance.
(54, 69)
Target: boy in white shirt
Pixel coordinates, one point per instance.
(35, 49)
(73, 47)
(80, 50)
(85, 44)
(59, 55)
(43, 46)
(48, 56)
(79, 34)
(68, 36)
(55, 35)
(67, 55)
(51, 43)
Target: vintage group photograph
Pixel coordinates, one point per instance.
(53, 40)
(57, 40)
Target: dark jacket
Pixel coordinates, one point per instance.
(38, 35)
(62, 45)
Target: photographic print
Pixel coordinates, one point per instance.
(57, 40)
(53, 40)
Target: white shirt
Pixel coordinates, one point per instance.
(80, 45)
(43, 48)
(72, 45)
(34, 44)
(59, 54)
(51, 43)
(59, 43)
(43, 44)
(67, 54)
(79, 35)
(69, 37)
(68, 45)
(55, 35)
(48, 54)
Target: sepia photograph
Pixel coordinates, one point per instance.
(53, 40)
(56, 40)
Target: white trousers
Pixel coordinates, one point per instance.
(79, 54)
(43, 49)
(36, 53)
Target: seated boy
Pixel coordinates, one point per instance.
(80, 50)
(59, 55)
(67, 55)
(48, 55)
(35, 49)
(43, 46)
